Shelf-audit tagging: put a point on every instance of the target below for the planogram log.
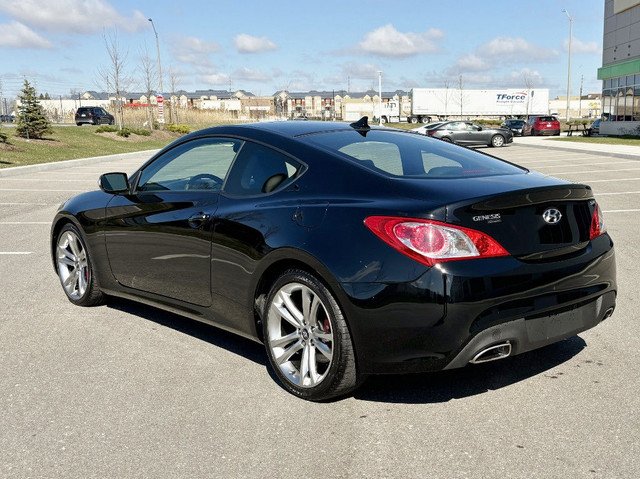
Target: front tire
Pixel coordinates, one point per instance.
(75, 269)
(497, 141)
(307, 338)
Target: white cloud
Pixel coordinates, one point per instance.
(246, 74)
(471, 63)
(508, 49)
(577, 46)
(17, 35)
(247, 44)
(72, 16)
(194, 45)
(360, 70)
(215, 79)
(389, 42)
(193, 51)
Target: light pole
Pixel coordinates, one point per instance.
(380, 98)
(160, 93)
(569, 74)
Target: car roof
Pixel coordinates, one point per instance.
(290, 129)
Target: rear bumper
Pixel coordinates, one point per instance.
(547, 132)
(451, 312)
(524, 335)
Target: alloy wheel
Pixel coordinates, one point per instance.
(73, 266)
(300, 335)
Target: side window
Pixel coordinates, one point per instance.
(259, 170)
(196, 165)
(381, 155)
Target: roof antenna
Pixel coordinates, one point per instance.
(361, 124)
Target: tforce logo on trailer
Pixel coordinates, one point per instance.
(518, 97)
(492, 218)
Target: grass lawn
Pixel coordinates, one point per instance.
(607, 140)
(72, 142)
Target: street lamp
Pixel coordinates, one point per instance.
(160, 97)
(380, 98)
(569, 74)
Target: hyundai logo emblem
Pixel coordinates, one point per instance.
(552, 216)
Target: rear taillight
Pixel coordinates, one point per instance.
(597, 223)
(431, 242)
(431, 132)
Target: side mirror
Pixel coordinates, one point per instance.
(114, 183)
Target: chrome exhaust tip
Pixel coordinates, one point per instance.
(607, 313)
(493, 353)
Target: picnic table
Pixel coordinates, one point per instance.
(578, 129)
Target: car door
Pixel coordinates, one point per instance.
(258, 212)
(454, 130)
(158, 239)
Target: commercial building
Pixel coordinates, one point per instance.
(620, 72)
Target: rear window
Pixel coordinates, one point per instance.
(547, 118)
(410, 155)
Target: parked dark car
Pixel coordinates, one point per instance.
(541, 125)
(514, 125)
(347, 250)
(6, 118)
(469, 133)
(594, 129)
(93, 115)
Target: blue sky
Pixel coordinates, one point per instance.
(264, 46)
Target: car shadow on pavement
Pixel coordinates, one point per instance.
(471, 380)
(204, 332)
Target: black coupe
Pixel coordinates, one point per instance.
(347, 250)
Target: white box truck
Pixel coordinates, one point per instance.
(431, 104)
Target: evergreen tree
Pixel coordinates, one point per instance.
(31, 120)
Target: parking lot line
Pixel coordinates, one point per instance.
(15, 252)
(590, 164)
(57, 180)
(621, 211)
(619, 193)
(608, 181)
(27, 204)
(594, 171)
(25, 222)
(39, 190)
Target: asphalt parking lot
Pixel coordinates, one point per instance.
(125, 390)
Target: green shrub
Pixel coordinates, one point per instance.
(3, 137)
(140, 132)
(182, 129)
(106, 129)
(125, 132)
(155, 125)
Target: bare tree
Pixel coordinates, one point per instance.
(461, 96)
(528, 83)
(149, 80)
(174, 80)
(114, 76)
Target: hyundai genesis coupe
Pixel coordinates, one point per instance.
(347, 250)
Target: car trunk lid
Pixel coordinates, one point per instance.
(534, 224)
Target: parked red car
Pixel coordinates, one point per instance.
(541, 125)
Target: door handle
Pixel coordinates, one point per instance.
(195, 221)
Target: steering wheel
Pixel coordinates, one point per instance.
(196, 180)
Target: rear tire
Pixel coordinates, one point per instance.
(75, 269)
(307, 339)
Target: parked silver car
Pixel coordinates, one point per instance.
(469, 133)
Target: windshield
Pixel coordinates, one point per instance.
(410, 155)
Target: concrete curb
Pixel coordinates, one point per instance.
(58, 165)
(586, 151)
